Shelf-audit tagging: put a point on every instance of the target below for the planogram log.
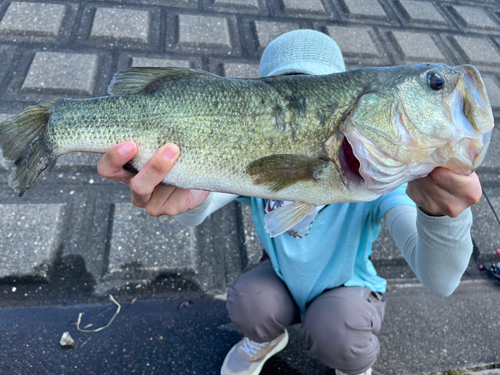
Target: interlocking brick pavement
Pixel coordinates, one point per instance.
(417, 47)
(475, 18)
(87, 42)
(297, 7)
(493, 89)
(420, 12)
(121, 25)
(477, 50)
(484, 224)
(62, 73)
(250, 4)
(151, 246)
(33, 19)
(353, 41)
(162, 63)
(237, 70)
(267, 31)
(78, 159)
(202, 31)
(31, 233)
(365, 9)
(3, 161)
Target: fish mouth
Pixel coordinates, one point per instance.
(472, 120)
(476, 120)
(353, 170)
(350, 164)
(459, 143)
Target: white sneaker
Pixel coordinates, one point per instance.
(367, 372)
(247, 357)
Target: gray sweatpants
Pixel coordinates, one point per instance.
(339, 326)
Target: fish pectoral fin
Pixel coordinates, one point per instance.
(281, 171)
(286, 217)
(137, 80)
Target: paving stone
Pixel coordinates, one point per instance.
(78, 159)
(475, 17)
(365, 9)
(202, 31)
(68, 73)
(121, 25)
(268, 31)
(30, 238)
(253, 246)
(33, 19)
(493, 90)
(300, 6)
(492, 159)
(477, 50)
(485, 227)
(417, 47)
(247, 4)
(353, 41)
(422, 12)
(4, 164)
(237, 70)
(160, 63)
(144, 245)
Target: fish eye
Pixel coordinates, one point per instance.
(436, 81)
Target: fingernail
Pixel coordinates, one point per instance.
(126, 148)
(170, 152)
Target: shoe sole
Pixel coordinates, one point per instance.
(283, 343)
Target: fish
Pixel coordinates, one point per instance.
(314, 140)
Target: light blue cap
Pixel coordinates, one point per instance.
(301, 51)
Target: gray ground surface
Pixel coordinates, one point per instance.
(75, 237)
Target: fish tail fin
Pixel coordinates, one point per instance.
(21, 142)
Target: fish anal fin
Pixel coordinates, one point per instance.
(137, 80)
(283, 170)
(286, 217)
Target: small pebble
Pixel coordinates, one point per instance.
(66, 340)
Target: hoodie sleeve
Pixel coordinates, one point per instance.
(197, 215)
(438, 249)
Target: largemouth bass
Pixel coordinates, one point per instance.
(314, 140)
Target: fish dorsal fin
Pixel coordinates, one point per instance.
(286, 217)
(136, 80)
(283, 170)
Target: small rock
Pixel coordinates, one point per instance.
(67, 340)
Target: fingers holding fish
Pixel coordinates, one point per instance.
(151, 175)
(443, 192)
(112, 162)
(467, 187)
(172, 201)
(158, 202)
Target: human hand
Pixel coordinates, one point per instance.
(147, 192)
(444, 192)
